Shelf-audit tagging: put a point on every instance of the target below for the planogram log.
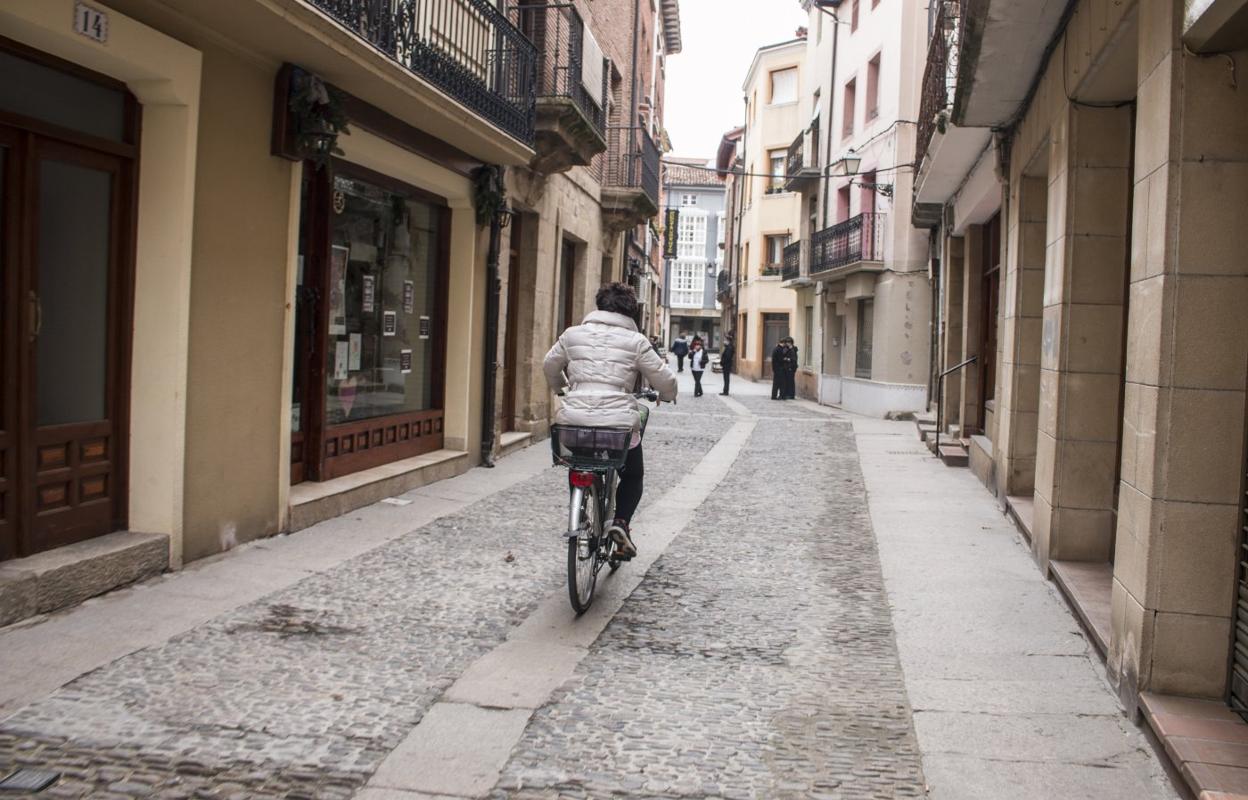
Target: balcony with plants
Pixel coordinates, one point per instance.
(629, 173)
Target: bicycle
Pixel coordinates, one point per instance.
(593, 457)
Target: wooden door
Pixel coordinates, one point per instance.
(65, 248)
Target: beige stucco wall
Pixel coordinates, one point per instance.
(238, 309)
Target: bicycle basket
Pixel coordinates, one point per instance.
(590, 448)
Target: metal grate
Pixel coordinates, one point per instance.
(1239, 647)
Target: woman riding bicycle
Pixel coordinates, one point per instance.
(605, 359)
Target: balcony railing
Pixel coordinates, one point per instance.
(630, 162)
(466, 48)
(771, 270)
(801, 163)
(940, 74)
(792, 267)
(558, 33)
(859, 238)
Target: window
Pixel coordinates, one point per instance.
(775, 183)
(691, 234)
(720, 229)
(873, 88)
(688, 283)
(688, 200)
(849, 108)
(784, 86)
(775, 253)
(842, 203)
(862, 353)
(853, 15)
(868, 192)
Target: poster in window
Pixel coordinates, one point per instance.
(425, 327)
(405, 361)
(356, 349)
(409, 297)
(368, 290)
(389, 323)
(338, 257)
(342, 354)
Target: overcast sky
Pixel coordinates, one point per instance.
(704, 79)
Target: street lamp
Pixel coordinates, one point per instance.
(845, 165)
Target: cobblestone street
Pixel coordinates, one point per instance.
(750, 651)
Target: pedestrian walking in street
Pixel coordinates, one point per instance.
(778, 365)
(680, 349)
(698, 359)
(790, 374)
(611, 357)
(727, 360)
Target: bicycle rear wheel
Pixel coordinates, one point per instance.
(583, 553)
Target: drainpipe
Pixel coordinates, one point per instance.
(492, 294)
(836, 31)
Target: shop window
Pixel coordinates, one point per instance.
(382, 290)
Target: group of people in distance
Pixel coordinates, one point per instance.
(695, 351)
(784, 364)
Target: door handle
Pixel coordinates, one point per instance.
(36, 316)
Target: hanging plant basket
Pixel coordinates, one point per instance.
(488, 192)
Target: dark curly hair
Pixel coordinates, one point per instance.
(619, 298)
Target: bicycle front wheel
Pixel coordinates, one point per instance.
(583, 553)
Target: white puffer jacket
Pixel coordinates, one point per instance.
(602, 358)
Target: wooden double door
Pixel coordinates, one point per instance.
(65, 236)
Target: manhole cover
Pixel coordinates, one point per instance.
(29, 780)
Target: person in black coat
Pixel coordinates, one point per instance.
(790, 374)
(727, 360)
(779, 366)
(680, 349)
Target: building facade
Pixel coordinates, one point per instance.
(765, 213)
(858, 269)
(1083, 182)
(281, 261)
(694, 193)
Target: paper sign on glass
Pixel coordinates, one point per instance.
(389, 323)
(409, 297)
(425, 327)
(338, 258)
(356, 347)
(405, 361)
(368, 289)
(341, 356)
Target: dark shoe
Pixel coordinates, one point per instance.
(723, 394)
(619, 534)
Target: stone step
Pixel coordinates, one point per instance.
(927, 432)
(954, 455)
(66, 576)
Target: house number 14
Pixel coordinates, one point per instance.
(91, 22)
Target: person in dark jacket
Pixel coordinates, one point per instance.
(698, 359)
(680, 349)
(778, 366)
(727, 360)
(790, 379)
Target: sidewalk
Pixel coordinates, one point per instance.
(1009, 697)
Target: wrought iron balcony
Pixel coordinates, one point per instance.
(801, 166)
(629, 174)
(468, 49)
(854, 241)
(940, 75)
(794, 266)
(571, 118)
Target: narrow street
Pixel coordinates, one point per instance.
(752, 650)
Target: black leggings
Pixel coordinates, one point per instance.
(628, 490)
(697, 383)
